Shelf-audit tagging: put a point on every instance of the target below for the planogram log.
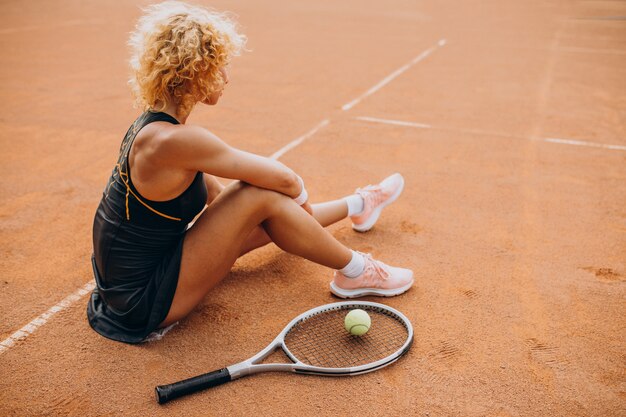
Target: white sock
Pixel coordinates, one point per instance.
(355, 204)
(355, 267)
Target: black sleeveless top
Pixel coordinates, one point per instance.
(137, 248)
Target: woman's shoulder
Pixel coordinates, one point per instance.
(165, 142)
(184, 134)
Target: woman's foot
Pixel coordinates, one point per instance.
(377, 278)
(375, 199)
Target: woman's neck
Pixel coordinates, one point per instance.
(173, 110)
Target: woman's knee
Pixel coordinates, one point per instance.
(261, 197)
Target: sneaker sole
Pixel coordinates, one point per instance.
(361, 292)
(376, 213)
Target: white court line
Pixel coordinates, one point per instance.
(393, 122)
(43, 318)
(584, 143)
(357, 100)
(449, 129)
(299, 140)
(69, 300)
(483, 132)
(393, 75)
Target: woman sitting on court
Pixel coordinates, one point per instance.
(151, 269)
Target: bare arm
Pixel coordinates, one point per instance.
(195, 148)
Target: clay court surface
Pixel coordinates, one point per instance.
(513, 218)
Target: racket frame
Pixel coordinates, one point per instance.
(165, 393)
(252, 365)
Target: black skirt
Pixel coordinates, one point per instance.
(149, 305)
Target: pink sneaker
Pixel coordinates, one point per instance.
(376, 198)
(377, 279)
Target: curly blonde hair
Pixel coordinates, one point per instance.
(177, 51)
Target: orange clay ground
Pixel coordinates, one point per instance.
(518, 244)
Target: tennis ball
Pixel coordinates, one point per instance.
(357, 322)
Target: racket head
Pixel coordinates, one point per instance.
(318, 343)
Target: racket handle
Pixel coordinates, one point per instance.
(164, 393)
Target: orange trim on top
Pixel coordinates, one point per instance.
(128, 190)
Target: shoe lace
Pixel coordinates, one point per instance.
(378, 266)
(371, 193)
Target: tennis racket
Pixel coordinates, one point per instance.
(317, 344)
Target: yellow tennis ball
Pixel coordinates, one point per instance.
(357, 322)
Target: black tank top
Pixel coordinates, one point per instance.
(126, 201)
(137, 248)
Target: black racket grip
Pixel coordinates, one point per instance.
(165, 393)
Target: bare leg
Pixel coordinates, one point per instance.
(330, 212)
(325, 213)
(219, 235)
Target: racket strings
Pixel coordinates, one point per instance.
(321, 340)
